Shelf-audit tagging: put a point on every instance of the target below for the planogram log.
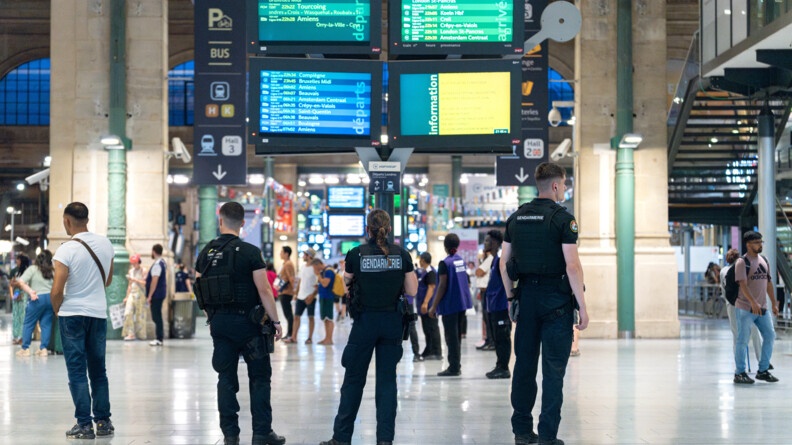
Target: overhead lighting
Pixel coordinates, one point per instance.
(110, 140)
(440, 237)
(266, 219)
(353, 179)
(170, 179)
(463, 179)
(365, 179)
(384, 139)
(458, 219)
(8, 227)
(631, 140)
(736, 131)
(301, 183)
(727, 11)
(714, 140)
(408, 180)
(315, 180)
(181, 179)
(331, 180)
(20, 186)
(47, 161)
(283, 238)
(256, 179)
(10, 209)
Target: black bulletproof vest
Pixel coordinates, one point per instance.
(536, 243)
(379, 284)
(223, 284)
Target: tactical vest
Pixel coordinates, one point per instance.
(381, 280)
(220, 284)
(536, 244)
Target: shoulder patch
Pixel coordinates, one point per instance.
(573, 226)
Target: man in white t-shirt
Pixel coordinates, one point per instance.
(83, 268)
(306, 296)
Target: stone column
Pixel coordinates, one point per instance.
(439, 174)
(655, 266)
(286, 174)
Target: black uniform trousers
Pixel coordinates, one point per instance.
(416, 349)
(452, 329)
(554, 338)
(285, 301)
(501, 328)
(234, 334)
(489, 335)
(380, 331)
(431, 331)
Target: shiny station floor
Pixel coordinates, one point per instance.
(676, 391)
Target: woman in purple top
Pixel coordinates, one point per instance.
(451, 301)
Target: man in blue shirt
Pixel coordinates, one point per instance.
(325, 276)
(498, 309)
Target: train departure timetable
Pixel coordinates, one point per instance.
(314, 20)
(457, 21)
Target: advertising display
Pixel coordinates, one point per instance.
(346, 225)
(456, 27)
(314, 26)
(343, 197)
(314, 104)
(455, 106)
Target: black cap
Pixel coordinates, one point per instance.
(751, 236)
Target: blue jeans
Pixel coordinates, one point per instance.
(371, 331)
(39, 310)
(765, 325)
(84, 341)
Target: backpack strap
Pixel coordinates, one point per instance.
(95, 258)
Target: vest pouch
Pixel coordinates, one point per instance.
(512, 269)
(217, 290)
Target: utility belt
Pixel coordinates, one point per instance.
(540, 279)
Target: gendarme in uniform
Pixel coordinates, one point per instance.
(226, 265)
(378, 283)
(536, 232)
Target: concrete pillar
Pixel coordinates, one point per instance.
(655, 266)
(286, 174)
(79, 108)
(439, 174)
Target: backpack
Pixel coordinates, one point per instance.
(338, 288)
(731, 287)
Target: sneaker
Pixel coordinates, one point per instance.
(766, 376)
(417, 358)
(334, 442)
(81, 432)
(526, 439)
(130, 338)
(771, 367)
(551, 442)
(42, 353)
(269, 439)
(498, 373)
(104, 428)
(155, 343)
(743, 378)
(23, 353)
(449, 373)
(483, 345)
(231, 440)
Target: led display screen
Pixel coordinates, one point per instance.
(314, 26)
(314, 103)
(457, 26)
(436, 106)
(346, 225)
(346, 197)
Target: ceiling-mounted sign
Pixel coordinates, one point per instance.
(384, 177)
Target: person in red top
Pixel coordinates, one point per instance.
(271, 275)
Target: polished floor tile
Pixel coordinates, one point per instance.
(676, 391)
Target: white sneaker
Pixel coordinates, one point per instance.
(155, 343)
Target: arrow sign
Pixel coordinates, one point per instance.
(522, 176)
(219, 174)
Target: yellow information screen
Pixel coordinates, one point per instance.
(447, 104)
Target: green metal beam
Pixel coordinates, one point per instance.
(207, 215)
(116, 162)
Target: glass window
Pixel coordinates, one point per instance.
(559, 89)
(181, 94)
(24, 94)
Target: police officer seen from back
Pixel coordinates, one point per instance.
(232, 287)
(377, 273)
(540, 251)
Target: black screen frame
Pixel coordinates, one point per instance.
(473, 143)
(254, 45)
(396, 44)
(278, 143)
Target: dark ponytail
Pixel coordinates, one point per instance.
(44, 264)
(378, 223)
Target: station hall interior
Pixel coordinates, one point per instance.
(705, 88)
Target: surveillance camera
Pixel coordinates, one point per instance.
(35, 178)
(554, 117)
(180, 151)
(562, 150)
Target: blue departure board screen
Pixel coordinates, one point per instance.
(346, 197)
(317, 102)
